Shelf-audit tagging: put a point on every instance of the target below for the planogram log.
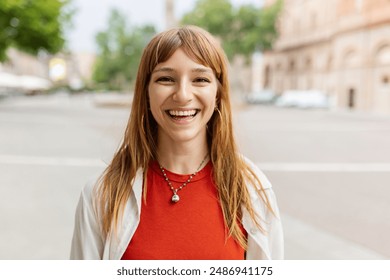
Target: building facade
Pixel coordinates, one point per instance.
(340, 47)
(23, 72)
(21, 63)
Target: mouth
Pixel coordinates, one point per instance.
(182, 115)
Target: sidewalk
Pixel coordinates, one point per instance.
(305, 242)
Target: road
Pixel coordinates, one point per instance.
(330, 171)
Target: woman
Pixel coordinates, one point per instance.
(177, 188)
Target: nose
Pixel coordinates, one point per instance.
(183, 93)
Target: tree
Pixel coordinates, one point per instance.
(120, 49)
(243, 30)
(32, 26)
(268, 24)
(215, 15)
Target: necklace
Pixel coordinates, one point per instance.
(175, 197)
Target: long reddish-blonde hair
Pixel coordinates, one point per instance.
(231, 173)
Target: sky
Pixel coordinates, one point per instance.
(92, 16)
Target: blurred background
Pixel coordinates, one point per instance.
(310, 87)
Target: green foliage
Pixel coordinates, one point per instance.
(213, 15)
(242, 30)
(268, 24)
(32, 25)
(120, 50)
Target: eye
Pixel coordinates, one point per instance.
(201, 80)
(165, 80)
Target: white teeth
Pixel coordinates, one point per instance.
(182, 113)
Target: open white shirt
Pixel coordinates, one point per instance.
(89, 243)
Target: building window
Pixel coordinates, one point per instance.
(385, 81)
(267, 73)
(292, 66)
(308, 64)
(351, 98)
(383, 55)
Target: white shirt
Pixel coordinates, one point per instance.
(88, 241)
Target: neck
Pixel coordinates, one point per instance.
(182, 158)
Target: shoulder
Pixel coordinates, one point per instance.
(266, 184)
(89, 191)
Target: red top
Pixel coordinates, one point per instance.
(192, 229)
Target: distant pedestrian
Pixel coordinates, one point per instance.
(177, 188)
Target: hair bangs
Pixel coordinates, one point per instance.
(195, 42)
(200, 46)
(164, 47)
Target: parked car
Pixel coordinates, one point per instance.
(260, 97)
(303, 99)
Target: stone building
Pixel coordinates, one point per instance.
(340, 47)
(21, 63)
(23, 72)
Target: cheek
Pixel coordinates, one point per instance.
(210, 98)
(158, 94)
(154, 107)
(209, 101)
(154, 95)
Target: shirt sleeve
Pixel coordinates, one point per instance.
(87, 241)
(275, 230)
(272, 241)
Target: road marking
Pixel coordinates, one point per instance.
(325, 166)
(265, 166)
(51, 161)
(324, 128)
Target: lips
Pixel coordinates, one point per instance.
(182, 114)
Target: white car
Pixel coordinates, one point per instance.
(303, 99)
(261, 97)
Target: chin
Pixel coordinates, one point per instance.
(186, 136)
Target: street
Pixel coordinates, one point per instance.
(330, 172)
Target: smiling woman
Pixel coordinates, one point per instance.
(178, 188)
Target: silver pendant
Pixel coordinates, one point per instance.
(175, 198)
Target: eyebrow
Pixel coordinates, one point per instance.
(196, 70)
(202, 70)
(164, 69)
